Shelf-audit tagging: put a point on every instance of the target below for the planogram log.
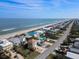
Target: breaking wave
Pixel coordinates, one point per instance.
(8, 29)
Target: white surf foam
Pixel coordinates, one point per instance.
(8, 29)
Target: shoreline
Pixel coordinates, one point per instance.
(5, 36)
(22, 31)
(4, 32)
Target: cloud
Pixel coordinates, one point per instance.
(58, 3)
(24, 4)
(36, 4)
(11, 2)
(67, 2)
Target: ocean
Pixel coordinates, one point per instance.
(10, 25)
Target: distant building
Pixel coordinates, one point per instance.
(55, 30)
(5, 45)
(47, 28)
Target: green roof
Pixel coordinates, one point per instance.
(42, 38)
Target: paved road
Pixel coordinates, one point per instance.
(56, 45)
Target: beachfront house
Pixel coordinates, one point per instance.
(39, 34)
(16, 40)
(40, 38)
(73, 52)
(5, 45)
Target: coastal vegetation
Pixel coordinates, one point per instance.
(24, 51)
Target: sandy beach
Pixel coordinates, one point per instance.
(25, 31)
(22, 31)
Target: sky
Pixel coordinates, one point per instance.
(39, 8)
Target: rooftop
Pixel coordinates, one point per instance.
(77, 39)
(72, 55)
(75, 47)
(74, 50)
(4, 42)
(15, 40)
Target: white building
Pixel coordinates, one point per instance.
(73, 52)
(72, 55)
(77, 39)
(5, 45)
(47, 28)
(38, 32)
(17, 40)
